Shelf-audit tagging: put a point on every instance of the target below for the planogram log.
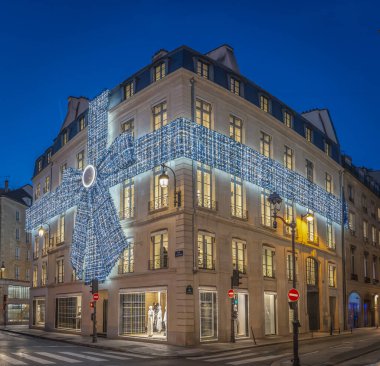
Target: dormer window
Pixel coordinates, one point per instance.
(308, 134)
(202, 69)
(81, 124)
(129, 90)
(327, 148)
(48, 156)
(235, 86)
(288, 119)
(65, 138)
(159, 71)
(264, 103)
(39, 165)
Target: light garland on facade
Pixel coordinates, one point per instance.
(98, 239)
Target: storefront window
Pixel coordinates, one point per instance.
(209, 315)
(39, 312)
(144, 314)
(241, 316)
(18, 313)
(68, 312)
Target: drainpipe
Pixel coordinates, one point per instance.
(344, 277)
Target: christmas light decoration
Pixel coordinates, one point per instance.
(98, 239)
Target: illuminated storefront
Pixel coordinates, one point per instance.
(68, 312)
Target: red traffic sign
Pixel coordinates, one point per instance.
(231, 293)
(95, 297)
(293, 295)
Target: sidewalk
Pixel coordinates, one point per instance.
(163, 350)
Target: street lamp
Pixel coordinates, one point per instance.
(276, 201)
(163, 180)
(2, 269)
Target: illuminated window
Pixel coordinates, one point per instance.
(330, 235)
(47, 184)
(236, 128)
(239, 248)
(289, 215)
(308, 134)
(351, 221)
(332, 275)
(287, 119)
(328, 181)
(35, 276)
(65, 138)
(206, 251)
(80, 160)
(129, 89)
(235, 86)
(309, 170)
(204, 186)
(268, 262)
(159, 71)
(311, 234)
(60, 271)
(311, 272)
(265, 144)
(288, 158)
(365, 230)
(82, 123)
(36, 247)
(160, 115)
(61, 229)
(159, 250)
(266, 209)
(373, 231)
(203, 113)
(237, 205)
(129, 127)
(289, 266)
(264, 103)
(62, 170)
(327, 148)
(128, 199)
(127, 259)
(49, 157)
(38, 191)
(202, 69)
(44, 274)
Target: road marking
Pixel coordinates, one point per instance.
(232, 357)
(309, 353)
(212, 356)
(11, 360)
(32, 358)
(91, 358)
(257, 359)
(107, 355)
(127, 354)
(57, 357)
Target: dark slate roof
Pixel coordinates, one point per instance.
(18, 194)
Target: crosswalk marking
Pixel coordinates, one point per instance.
(91, 358)
(57, 357)
(256, 359)
(108, 356)
(214, 356)
(34, 359)
(232, 357)
(11, 360)
(127, 354)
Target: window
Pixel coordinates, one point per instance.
(17, 215)
(49, 157)
(350, 193)
(80, 160)
(39, 165)
(129, 90)
(17, 272)
(128, 199)
(82, 123)
(364, 203)
(44, 274)
(264, 103)
(351, 222)
(268, 262)
(374, 267)
(208, 315)
(159, 250)
(289, 266)
(28, 255)
(35, 276)
(288, 158)
(239, 255)
(203, 113)
(17, 253)
(365, 230)
(160, 115)
(65, 138)
(204, 187)
(127, 259)
(47, 184)
(18, 292)
(235, 86)
(311, 272)
(62, 170)
(237, 204)
(352, 259)
(288, 119)
(159, 71)
(311, 235)
(308, 134)
(378, 213)
(129, 127)
(61, 229)
(328, 183)
(265, 145)
(332, 275)
(373, 232)
(365, 264)
(27, 274)
(68, 312)
(330, 235)
(202, 69)
(38, 191)
(266, 209)
(45, 244)
(59, 273)
(327, 148)
(236, 128)
(18, 234)
(206, 251)
(309, 170)
(289, 216)
(160, 194)
(36, 247)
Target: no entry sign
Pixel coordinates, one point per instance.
(95, 297)
(231, 293)
(293, 295)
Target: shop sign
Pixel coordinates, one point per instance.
(179, 253)
(189, 290)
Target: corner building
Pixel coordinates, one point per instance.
(171, 283)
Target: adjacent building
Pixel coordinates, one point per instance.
(15, 255)
(171, 283)
(362, 244)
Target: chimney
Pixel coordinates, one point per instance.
(6, 185)
(160, 53)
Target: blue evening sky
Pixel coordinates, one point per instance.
(309, 54)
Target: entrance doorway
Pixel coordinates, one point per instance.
(367, 313)
(102, 313)
(241, 323)
(270, 312)
(353, 310)
(332, 303)
(312, 280)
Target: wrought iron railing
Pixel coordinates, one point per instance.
(127, 213)
(125, 268)
(239, 212)
(206, 264)
(207, 202)
(159, 203)
(160, 262)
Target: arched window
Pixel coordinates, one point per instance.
(311, 272)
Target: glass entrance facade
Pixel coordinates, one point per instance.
(270, 305)
(144, 314)
(208, 315)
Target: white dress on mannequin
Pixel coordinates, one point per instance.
(159, 319)
(150, 321)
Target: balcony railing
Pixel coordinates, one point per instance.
(239, 212)
(367, 280)
(126, 268)
(354, 276)
(159, 262)
(269, 273)
(207, 202)
(127, 213)
(206, 264)
(159, 203)
(240, 268)
(313, 239)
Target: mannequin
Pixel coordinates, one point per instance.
(159, 319)
(165, 320)
(150, 321)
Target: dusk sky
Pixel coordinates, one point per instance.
(307, 53)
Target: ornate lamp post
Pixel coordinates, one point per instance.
(276, 201)
(163, 180)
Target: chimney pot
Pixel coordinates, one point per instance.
(6, 185)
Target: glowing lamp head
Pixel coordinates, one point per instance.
(309, 216)
(41, 232)
(2, 267)
(163, 179)
(89, 176)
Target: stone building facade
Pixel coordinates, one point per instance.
(171, 283)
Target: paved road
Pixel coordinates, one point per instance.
(352, 350)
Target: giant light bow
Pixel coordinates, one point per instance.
(98, 238)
